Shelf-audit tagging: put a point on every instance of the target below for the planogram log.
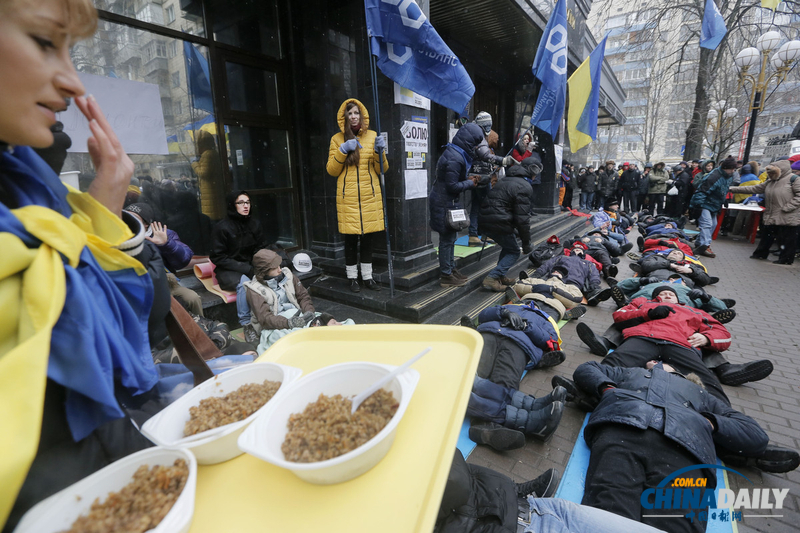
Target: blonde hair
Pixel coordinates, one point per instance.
(81, 15)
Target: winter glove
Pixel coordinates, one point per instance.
(348, 146)
(662, 311)
(511, 320)
(699, 294)
(508, 161)
(309, 316)
(380, 144)
(542, 288)
(647, 281)
(297, 322)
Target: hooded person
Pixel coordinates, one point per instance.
(708, 199)
(451, 180)
(273, 292)
(209, 174)
(506, 210)
(782, 211)
(354, 160)
(658, 187)
(234, 242)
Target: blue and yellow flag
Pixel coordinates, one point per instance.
(550, 67)
(584, 99)
(770, 4)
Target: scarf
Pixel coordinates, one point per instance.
(75, 311)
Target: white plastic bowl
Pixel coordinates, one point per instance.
(218, 444)
(264, 437)
(59, 511)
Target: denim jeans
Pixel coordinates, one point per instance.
(706, 223)
(620, 238)
(447, 246)
(509, 254)
(488, 400)
(478, 194)
(242, 309)
(554, 515)
(586, 200)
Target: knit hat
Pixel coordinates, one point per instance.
(145, 211)
(611, 201)
(728, 164)
(484, 120)
(648, 165)
(662, 288)
(533, 164)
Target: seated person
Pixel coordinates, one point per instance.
(580, 272)
(603, 218)
(274, 291)
(649, 423)
(662, 266)
(176, 254)
(515, 338)
(478, 499)
(234, 241)
(621, 223)
(559, 299)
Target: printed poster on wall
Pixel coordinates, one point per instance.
(416, 184)
(415, 135)
(409, 97)
(133, 108)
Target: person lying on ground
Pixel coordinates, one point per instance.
(604, 250)
(649, 423)
(580, 272)
(478, 499)
(515, 338)
(662, 266)
(558, 298)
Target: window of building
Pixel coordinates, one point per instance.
(178, 108)
(633, 146)
(173, 48)
(188, 19)
(170, 14)
(176, 79)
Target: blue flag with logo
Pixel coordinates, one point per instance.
(412, 54)
(198, 79)
(550, 67)
(713, 28)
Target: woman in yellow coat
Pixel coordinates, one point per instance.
(353, 159)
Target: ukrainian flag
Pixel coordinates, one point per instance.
(584, 99)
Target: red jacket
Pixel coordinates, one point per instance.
(653, 244)
(677, 327)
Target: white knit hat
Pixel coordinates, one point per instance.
(484, 120)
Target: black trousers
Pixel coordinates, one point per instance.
(624, 462)
(630, 201)
(351, 248)
(786, 237)
(502, 360)
(656, 202)
(635, 352)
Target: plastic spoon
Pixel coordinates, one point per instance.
(386, 379)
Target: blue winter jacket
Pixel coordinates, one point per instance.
(711, 191)
(538, 337)
(640, 395)
(580, 272)
(451, 175)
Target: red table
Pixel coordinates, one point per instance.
(756, 209)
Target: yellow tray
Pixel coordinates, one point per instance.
(402, 493)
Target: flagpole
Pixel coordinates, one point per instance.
(374, 75)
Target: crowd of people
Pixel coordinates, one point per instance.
(89, 279)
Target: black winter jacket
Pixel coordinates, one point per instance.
(607, 182)
(658, 266)
(587, 182)
(507, 206)
(451, 175)
(234, 241)
(639, 393)
(629, 181)
(580, 272)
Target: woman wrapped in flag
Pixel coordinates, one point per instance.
(75, 299)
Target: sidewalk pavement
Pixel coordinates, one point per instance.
(767, 326)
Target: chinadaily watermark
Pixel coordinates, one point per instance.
(707, 504)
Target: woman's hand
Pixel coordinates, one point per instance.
(697, 340)
(160, 236)
(113, 166)
(348, 146)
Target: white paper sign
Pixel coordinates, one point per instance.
(416, 184)
(451, 133)
(558, 150)
(385, 136)
(133, 108)
(414, 160)
(409, 97)
(239, 158)
(416, 136)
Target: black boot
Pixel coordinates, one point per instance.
(597, 344)
(574, 394)
(512, 296)
(598, 296)
(542, 423)
(730, 374)
(575, 312)
(543, 486)
(725, 315)
(496, 436)
(775, 459)
(618, 296)
(520, 400)
(354, 285)
(551, 359)
(467, 322)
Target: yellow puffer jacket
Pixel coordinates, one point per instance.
(359, 203)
